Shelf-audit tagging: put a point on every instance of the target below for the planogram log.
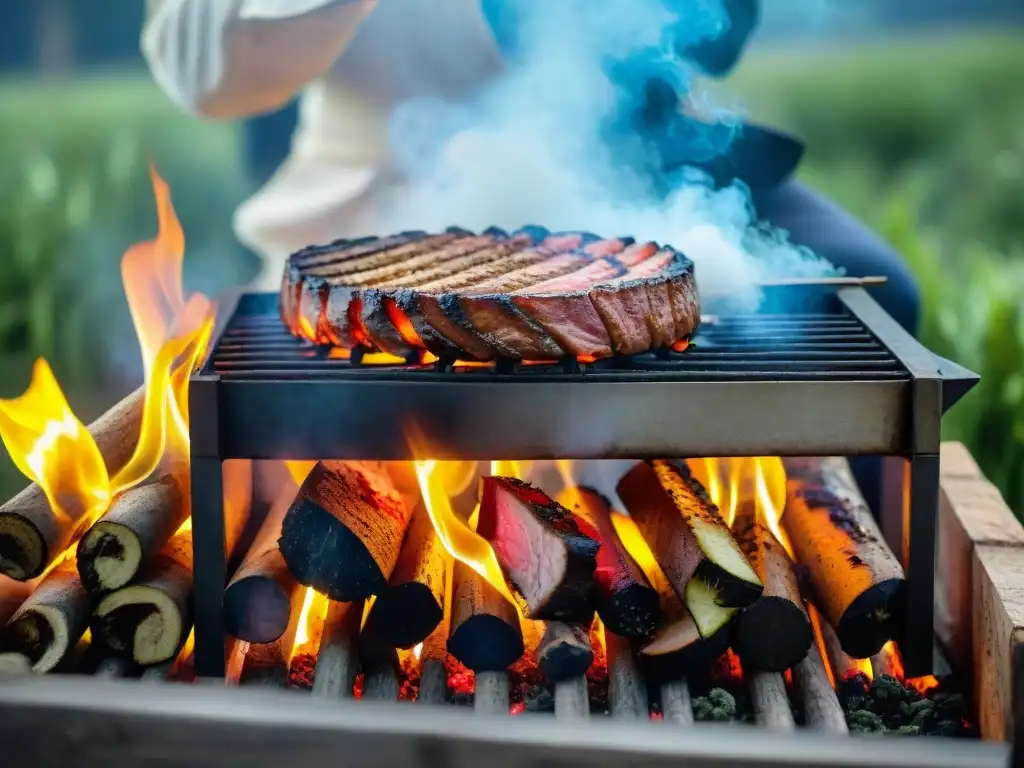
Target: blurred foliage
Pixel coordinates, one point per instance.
(922, 139)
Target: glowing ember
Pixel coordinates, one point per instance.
(894, 660)
(54, 449)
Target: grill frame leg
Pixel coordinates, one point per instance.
(209, 566)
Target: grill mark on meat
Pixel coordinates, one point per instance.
(343, 250)
(341, 318)
(390, 314)
(473, 298)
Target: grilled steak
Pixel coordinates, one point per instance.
(528, 295)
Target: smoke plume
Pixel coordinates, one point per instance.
(553, 141)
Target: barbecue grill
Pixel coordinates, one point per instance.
(838, 376)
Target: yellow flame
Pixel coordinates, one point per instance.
(418, 651)
(770, 484)
(459, 538)
(299, 470)
(173, 335)
(367, 607)
(54, 449)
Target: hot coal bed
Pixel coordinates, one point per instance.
(837, 378)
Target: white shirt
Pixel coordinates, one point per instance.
(354, 60)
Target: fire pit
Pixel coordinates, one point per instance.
(842, 379)
(338, 490)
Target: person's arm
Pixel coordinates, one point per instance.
(232, 58)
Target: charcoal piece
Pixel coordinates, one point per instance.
(564, 651)
(485, 634)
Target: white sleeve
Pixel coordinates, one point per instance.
(231, 58)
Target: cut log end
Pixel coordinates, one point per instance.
(109, 556)
(564, 651)
(339, 565)
(343, 533)
(486, 643)
(14, 665)
(142, 622)
(406, 614)
(23, 550)
(548, 554)
(264, 624)
(40, 634)
(772, 635)
(631, 612)
(873, 619)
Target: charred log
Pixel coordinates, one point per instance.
(31, 534)
(263, 595)
(564, 651)
(150, 619)
(626, 603)
(858, 582)
(343, 533)
(485, 634)
(412, 605)
(547, 553)
(774, 632)
(266, 664)
(686, 532)
(51, 621)
(138, 523)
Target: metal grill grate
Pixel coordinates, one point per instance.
(255, 346)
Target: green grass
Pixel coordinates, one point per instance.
(922, 139)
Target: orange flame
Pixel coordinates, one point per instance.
(459, 538)
(173, 333)
(892, 661)
(310, 622)
(759, 480)
(299, 470)
(54, 449)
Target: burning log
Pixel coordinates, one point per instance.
(564, 651)
(14, 665)
(12, 595)
(266, 664)
(336, 661)
(676, 706)
(627, 693)
(572, 699)
(626, 603)
(31, 533)
(263, 595)
(433, 671)
(841, 662)
(412, 605)
(858, 582)
(773, 633)
(485, 634)
(138, 523)
(548, 554)
(491, 692)
(885, 662)
(150, 619)
(771, 704)
(343, 533)
(822, 710)
(686, 532)
(50, 622)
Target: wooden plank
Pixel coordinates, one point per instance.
(998, 631)
(979, 579)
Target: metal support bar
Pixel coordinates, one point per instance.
(69, 722)
(209, 565)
